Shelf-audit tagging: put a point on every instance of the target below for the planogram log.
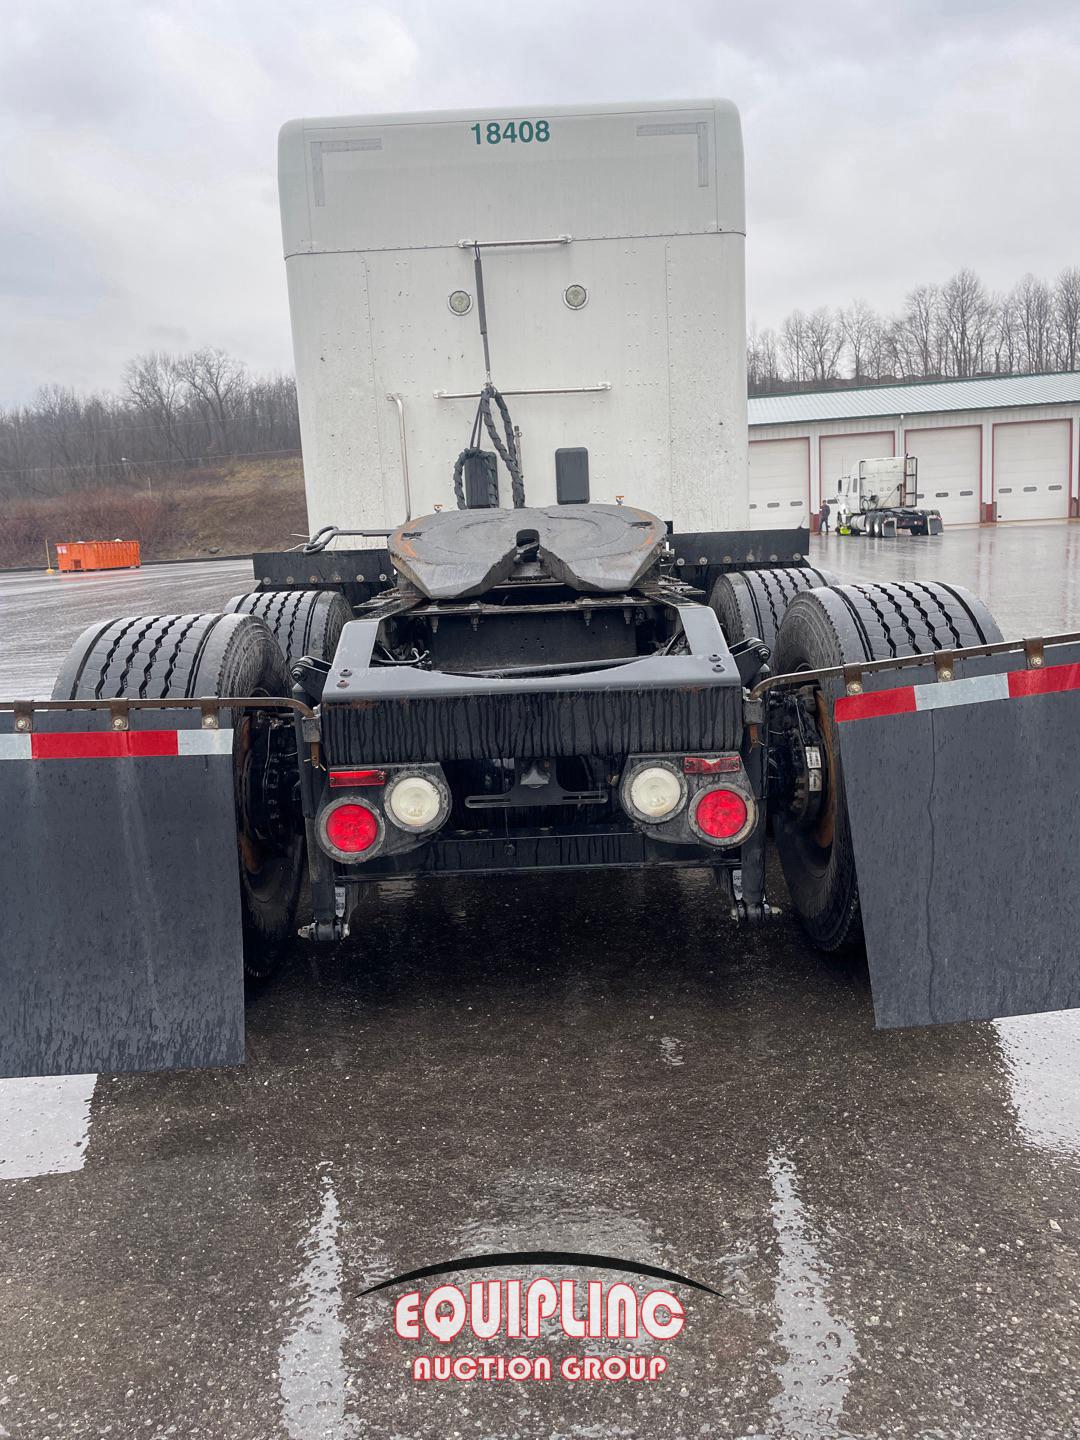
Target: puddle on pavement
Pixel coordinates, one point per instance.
(1042, 1062)
(671, 1050)
(313, 1380)
(44, 1125)
(820, 1347)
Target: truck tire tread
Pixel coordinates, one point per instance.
(839, 625)
(304, 622)
(158, 657)
(751, 603)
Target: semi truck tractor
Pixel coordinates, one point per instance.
(880, 497)
(531, 630)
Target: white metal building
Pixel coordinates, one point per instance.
(1006, 448)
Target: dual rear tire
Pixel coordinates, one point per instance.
(750, 604)
(247, 652)
(809, 622)
(836, 626)
(303, 622)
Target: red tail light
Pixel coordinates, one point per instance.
(350, 829)
(721, 814)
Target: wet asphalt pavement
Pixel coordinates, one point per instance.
(595, 1063)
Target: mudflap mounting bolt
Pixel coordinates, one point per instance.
(119, 723)
(22, 723)
(210, 722)
(945, 674)
(854, 688)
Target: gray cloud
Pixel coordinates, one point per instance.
(886, 144)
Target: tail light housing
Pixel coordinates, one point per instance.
(381, 810)
(690, 799)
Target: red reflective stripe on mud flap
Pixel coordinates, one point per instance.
(1048, 681)
(1053, 679)
(102, 744)
(876, 703)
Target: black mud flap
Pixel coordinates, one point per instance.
(964, 801)
(120, 929)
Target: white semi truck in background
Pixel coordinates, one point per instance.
(533, 629)
(880, 497)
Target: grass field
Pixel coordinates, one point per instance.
(233, 509)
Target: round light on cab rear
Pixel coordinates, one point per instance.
(414, 802)
(655, 792)
(575, 296)
(460, 302)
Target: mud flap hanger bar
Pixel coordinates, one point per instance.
(210, 709)
(944, 662)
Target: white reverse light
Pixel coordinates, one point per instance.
(656, 792)
(414, 802)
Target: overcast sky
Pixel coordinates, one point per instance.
(887, 143)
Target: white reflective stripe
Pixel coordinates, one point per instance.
(204, 742)
(14, 747)
(961, 692)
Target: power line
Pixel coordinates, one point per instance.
(205, 462)
(35, 420)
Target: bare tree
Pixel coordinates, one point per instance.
(1003, 346)
(861, 330)
(216, 383)
(794, 345)
(824, 342)
(916, 334)
(762, 361)
(1033, 310)
(1067, 318)
(156, 388)
(966, 322)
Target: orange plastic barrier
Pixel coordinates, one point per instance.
(98, 555)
